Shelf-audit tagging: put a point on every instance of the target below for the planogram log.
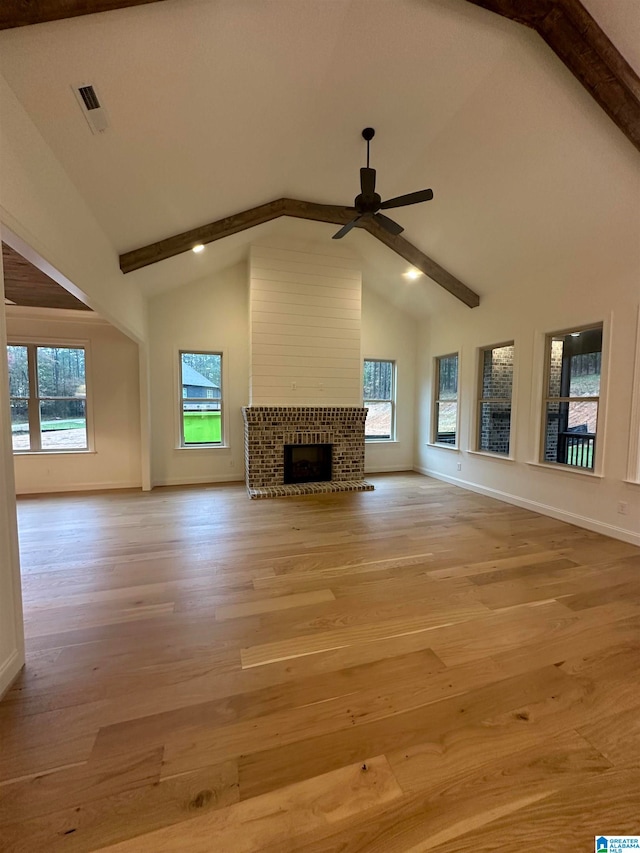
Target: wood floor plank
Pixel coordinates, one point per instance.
(283, 763)
(442, 814)
(266, 605)
(186, 750)
(501, 564)
(311, 644)
(253, 709)
(136, 811)
(573, 817)
(354, 568)
(209, 672)
(617, 736)
(93, 780)
(278, 818)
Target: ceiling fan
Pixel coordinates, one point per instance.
(369, 203)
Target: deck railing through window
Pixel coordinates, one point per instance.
(577, 448)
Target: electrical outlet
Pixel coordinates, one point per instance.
(293, 386)
(623, 507)
(231, 463)
(459, 466)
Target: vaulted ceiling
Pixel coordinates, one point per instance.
(216, 107)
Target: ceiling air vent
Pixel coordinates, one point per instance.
(91, 107)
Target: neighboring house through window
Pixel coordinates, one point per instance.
(572, 397)
(48, 397)
(379, 398)
(201, 403)
(494, 399)
(445, 415)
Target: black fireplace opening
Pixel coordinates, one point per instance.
(307, 463)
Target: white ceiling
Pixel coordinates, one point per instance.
(216, 106)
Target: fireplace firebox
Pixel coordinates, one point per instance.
(307, 463)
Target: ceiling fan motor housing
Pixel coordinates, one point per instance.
(367, 205)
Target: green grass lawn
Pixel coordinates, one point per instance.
(48, 426)
(202, 428)
(580, 460)
(69, 423)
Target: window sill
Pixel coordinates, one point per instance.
(567, 469)
(500, 457)
(374, 441)
(54, 452)
(453, 447)
(203, 447)
(632, 482)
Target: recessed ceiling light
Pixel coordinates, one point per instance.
(197, 248)
(412, 274)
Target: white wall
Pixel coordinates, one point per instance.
(551, 303)
(11, 630)
(211, 314)
(389, 333)
(48, 216)
(114, 402)
(305, 310)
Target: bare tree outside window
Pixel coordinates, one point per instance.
(379, 398)
(48, 397)
(446, 400)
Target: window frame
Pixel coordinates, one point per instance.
(598, 446)
(392, 437)
(436, 401)
(33, 401)
(480, 400)
(182, 445)
(633, 463)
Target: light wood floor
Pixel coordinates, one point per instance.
(417, 668)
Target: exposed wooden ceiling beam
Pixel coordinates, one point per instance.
(21, 13)
(578, 41)
(424, 263)
(334, 214)
(25, 284)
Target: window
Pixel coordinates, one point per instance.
(446, 400)
(572, 382)
(201, 403)
(48, 397)
(379, 398)
(494, 399)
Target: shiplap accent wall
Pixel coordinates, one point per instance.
(305, 321)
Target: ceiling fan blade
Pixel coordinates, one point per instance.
(409, 198)
(388, 224)
(346, 228)
(367, 182)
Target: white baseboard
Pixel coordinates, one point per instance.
(52, 489)
(387, 469)
(543, 509)
(9, 671)
(199, 481)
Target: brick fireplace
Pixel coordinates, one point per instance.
(269, 428)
